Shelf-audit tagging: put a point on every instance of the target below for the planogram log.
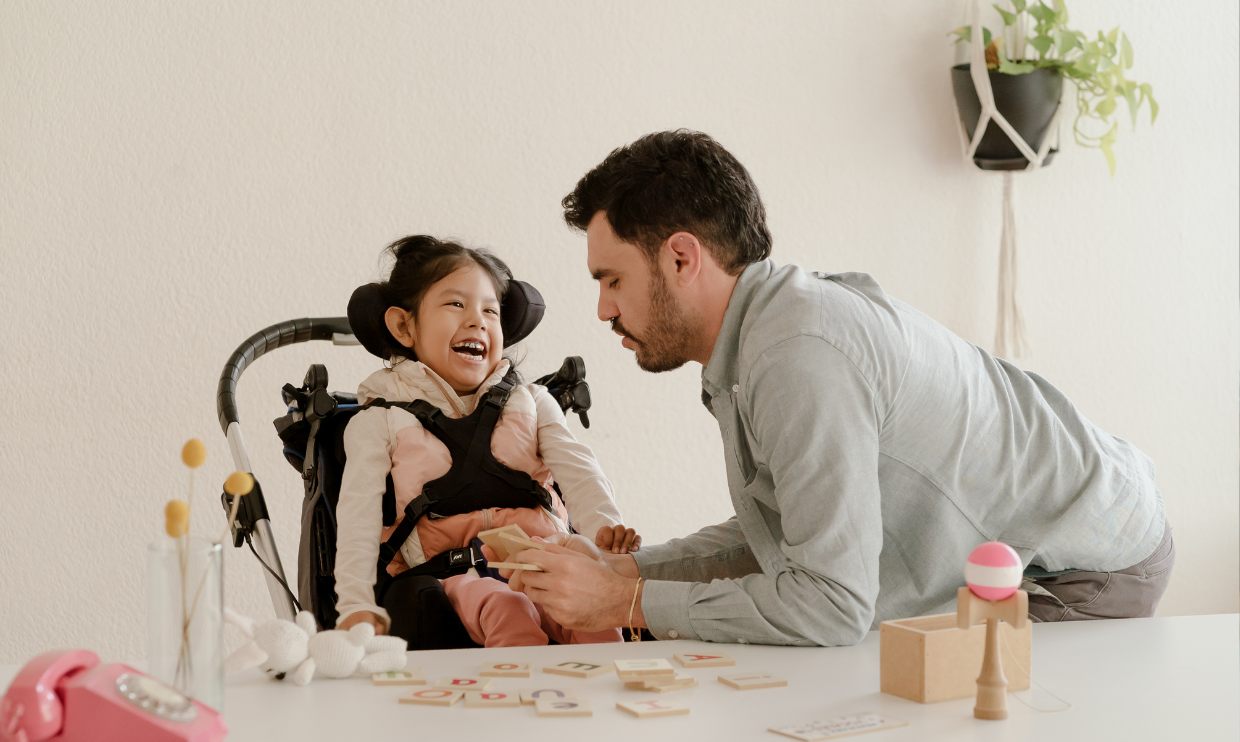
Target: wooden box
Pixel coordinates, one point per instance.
(927, 659)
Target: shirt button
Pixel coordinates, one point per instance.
(736, 388)
(673, 634)
(741, 641)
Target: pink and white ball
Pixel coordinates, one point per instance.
(993, 571)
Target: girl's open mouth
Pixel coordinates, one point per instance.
(471, 351)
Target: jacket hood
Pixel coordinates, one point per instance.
(410, 380)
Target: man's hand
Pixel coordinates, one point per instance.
(579, 592)
(617, 539)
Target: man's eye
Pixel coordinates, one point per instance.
(613, 283)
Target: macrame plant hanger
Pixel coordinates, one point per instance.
(1009, 326)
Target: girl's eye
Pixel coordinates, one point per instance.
(492, 311)
(454, 304)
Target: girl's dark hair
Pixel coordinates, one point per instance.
(421, 261)
(671, 181)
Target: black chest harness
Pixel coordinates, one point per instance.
(476, 481)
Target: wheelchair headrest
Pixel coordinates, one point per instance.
(520, 312)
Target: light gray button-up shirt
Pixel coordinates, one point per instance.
(868, 451)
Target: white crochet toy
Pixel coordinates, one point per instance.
(278, 646)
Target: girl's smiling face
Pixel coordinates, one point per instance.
(456, 331)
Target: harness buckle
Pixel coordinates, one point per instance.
(461, 558)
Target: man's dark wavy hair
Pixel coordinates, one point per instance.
(676, 181)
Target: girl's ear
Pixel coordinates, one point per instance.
(400, 324)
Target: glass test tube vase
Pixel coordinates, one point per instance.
(187, 584)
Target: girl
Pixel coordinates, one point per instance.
(444, 341)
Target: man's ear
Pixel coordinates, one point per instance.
(684, 254)
(400, 324)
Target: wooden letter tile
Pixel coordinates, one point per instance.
(491, 699)
(491, 538)
(517, 544)
(514, 565)
(452, 683)
(647, 709)
(399, 677)
(630, 670)
(530, 695)
(562, 707)
(717, 659)
(578, 669)
(664, 684)
(752, 680)
(433, 697)
(506, 670)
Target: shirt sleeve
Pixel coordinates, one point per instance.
(715, 552)
(359, 512)
(588, 495)
(812, 424)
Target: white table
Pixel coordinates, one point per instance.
(1141, 679)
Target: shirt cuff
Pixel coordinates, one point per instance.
(659, 562)
(665, 606)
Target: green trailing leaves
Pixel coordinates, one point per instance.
(1105, 144)
(1008, 67)
(1041, 13)
(1147, 94)
(1096, 65)
(965, 34)
(1042, 44)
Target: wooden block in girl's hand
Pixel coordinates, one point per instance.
(578, 669)
(506, 670)
(491, 538)
(398, 677)
(752, 680)
(647, 709)
(491, 699)
(451, 683)
(717, 659)
(517, 544)
(433, 697)
(514, 565)
(530, 696)
(562, 707)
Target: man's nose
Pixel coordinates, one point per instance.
(606, 308)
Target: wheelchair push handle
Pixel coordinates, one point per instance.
(336, 329)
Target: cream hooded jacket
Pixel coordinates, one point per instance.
(531, 436)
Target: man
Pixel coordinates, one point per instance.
(868, 449)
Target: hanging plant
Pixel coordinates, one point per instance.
(1036, 41)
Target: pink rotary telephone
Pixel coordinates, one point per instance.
(67, 696)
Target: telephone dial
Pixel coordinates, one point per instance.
(67, 696)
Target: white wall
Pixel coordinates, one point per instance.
(176, 176)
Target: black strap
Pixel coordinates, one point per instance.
(441, 566)
(451, 562)
(477, 458)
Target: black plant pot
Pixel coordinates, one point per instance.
(1028, 102)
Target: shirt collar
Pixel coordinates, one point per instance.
(720, 374)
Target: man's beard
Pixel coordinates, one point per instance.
(665, 342)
